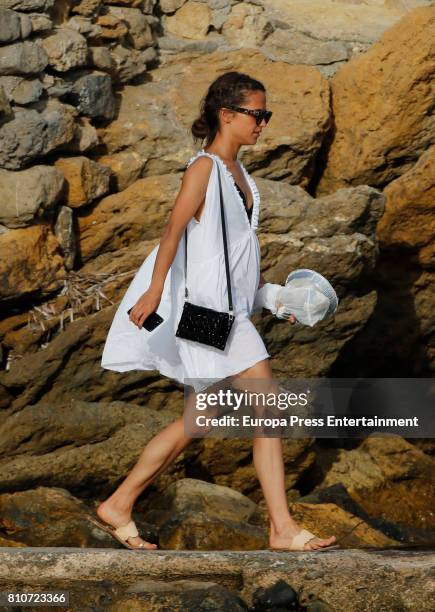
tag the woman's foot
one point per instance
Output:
(282, 538)
(107, 513)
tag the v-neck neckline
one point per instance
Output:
(233, 181)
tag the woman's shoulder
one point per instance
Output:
(201, 158)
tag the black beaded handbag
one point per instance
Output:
(200, 323)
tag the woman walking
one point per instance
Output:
(233, 114)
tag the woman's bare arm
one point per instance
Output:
(190, 196)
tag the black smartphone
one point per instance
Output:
(152, 320)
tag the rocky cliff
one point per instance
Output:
(96, 102)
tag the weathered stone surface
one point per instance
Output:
(126, 167)
(5, 107)
(36, 265)
(377, 99)
(351, 580)
(65, 49)
(20, 90)
(85, 136)
(10, 25)
(130, 63)
(108, 438)
(246, 25)
(86, 7)
(40, 23)
(347, 20)
(111, 27)
(228, 463)
(28, 5)
(191, 20)
(48, 516)
(86, 180)
(388, 477)
(100, 58)
(23, 58)
(64, 232)
(409, 218)
(170, 6)
(92, 93)
(192, 514)
(85, 26)
(31, 134)
(104, 229)
(139, 30)
(24, 193)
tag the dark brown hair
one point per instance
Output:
(229, 88)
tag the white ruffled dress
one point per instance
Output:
(188, 362)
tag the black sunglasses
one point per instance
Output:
(258, 114)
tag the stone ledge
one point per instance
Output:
(350, 579)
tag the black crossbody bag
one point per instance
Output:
(200, 323)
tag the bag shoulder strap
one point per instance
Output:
(224, 236)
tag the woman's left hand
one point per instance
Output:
(292, 319)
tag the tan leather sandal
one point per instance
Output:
(122, 533)
(298, 542)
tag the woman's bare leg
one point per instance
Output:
(269, 465)
(160, 451)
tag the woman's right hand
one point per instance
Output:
(146, 304)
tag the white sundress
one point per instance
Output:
(129, 348)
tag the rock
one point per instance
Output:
(87, 8)
(36, 266)
(246, 25)
(100, 58)
(409, 219)
(31, 134)
(28, 5)
(65, 49)
(170, 6)
(85, 137)
(101, 229)
(20, 90)
(26, 193)
(10, 25)
(111, 27)
(23, 58)
(388, 477)
(348, 580)
(347, 20)
(126, 167)
(92, 93)
(299, 48)
(55, 86)
(45, 516)
(130, 63)
(279, 596)
(192, 20)
(86, 180)
(154, 595)
(194, 496)
(40, 23)
(139, 30)
(198, 531)
(192, 514)
(5, 107)
(85, 27)
(64, 232)
(376, 138)
(228, 462)
(108, 438)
